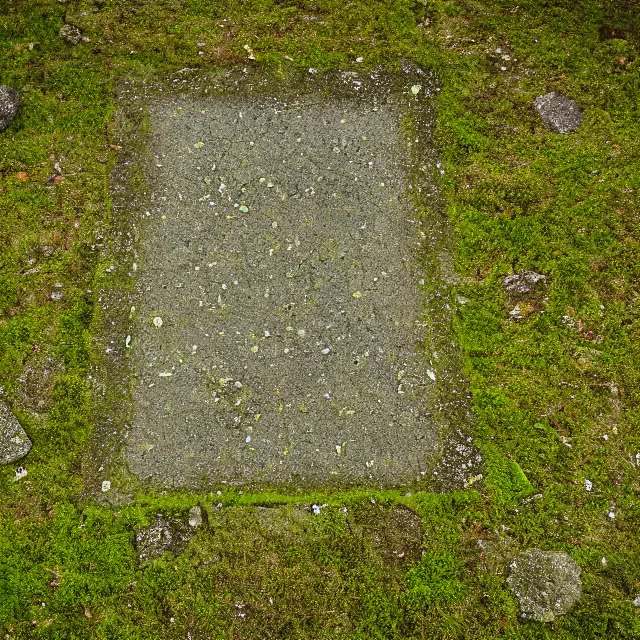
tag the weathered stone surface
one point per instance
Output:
(395, 533)
(14, 442)
(276, 333)
(560, 114)
(165, 534)
(546, 583)
(522, 283)
(278, 328)
(195, 517)
(70, 34)
(9, 103)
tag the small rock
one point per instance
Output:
(546, 583)
(164, 534)
(516, 313)
(9, 103)
(636, 602)
(70, 34)
(560, 114)
(522, 283)
(195, 517)
(14, 442)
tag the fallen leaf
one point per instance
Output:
(22, 176)
(58, 179)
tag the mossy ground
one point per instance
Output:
(546, 389)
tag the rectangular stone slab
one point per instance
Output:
(278, 332)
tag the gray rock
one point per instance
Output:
(522, 283)
(70, 34)
(546, 583)
(560, 114)
(9, 103)
(195, 517)
(14, 443)
(165, 534)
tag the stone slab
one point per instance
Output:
(278, 333)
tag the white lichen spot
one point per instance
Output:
(21, 472)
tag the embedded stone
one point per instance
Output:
(522, 283)
(546, 583)
(9, 103)
(14, 442)
(560, 114)
(164, 534)
(70, 34)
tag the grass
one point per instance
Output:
(546, 389)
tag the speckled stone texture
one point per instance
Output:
(546, 583)
(9, 103)
(14, 442)
(279, 327)
(560, 114)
